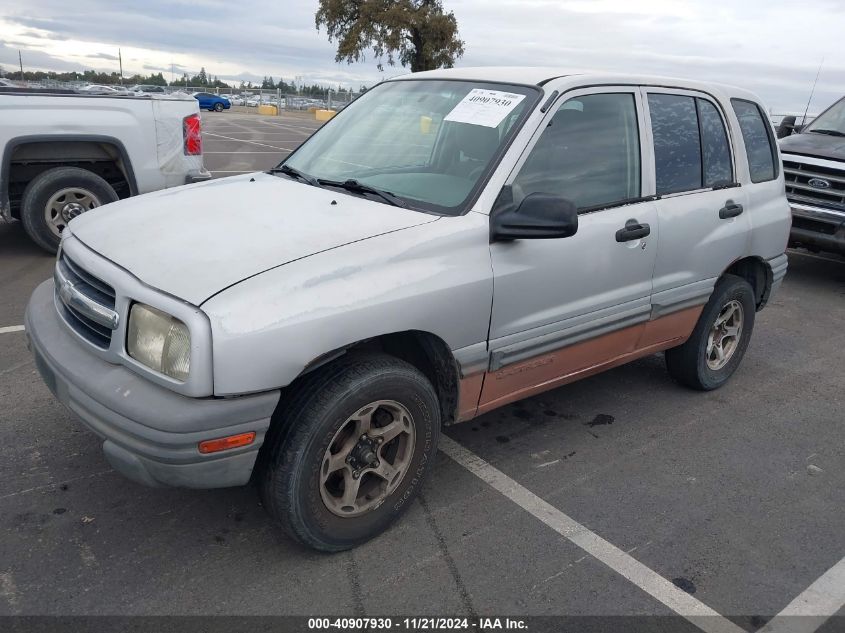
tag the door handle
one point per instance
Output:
(730, 210)
(633, 231)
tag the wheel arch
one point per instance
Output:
(426, 351)
(40, 149)
(757, 272)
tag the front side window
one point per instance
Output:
(589, 153)
(759, 144)
(428, 142)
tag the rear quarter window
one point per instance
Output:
(759, 140)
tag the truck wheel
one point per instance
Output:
(218, 107)
(717, 344)
(54, 197)
(361, 438)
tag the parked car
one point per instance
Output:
(317, 340)
(146, 89)
(62, 154)
(814, 165)
(211, 102)
(98, 89)
(7, 83)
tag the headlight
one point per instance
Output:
(159, 341)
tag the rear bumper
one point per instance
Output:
(200, 176)
(139, 421)
(819, 228)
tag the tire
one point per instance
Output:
(689, 364)
(316, 422)
(218, 107)
(41, 200)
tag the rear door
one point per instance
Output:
(563, 305)
(704, 226)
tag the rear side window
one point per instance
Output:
(759, 146)
(677, 145)
(715, 150)
(691, 147)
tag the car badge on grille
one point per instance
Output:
(819, 183)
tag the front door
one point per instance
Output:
(564, 306)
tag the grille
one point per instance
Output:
(91, 288)
(798, 188)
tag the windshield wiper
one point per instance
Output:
(291, 171)
(357, 186)
(829, 132)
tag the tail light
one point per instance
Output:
(192, 135)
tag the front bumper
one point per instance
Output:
(140, 422)
(818, 228)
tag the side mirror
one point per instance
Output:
(787, 126)
(539, 216)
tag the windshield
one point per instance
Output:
(428, 143)
(831, 120)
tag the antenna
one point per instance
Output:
(812, 91)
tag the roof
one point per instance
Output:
(540, 75)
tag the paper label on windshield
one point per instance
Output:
(484, 107)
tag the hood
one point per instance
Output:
(809, 144)
(194, 241)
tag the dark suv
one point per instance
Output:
(814, 169)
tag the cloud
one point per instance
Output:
(769, 47)
(113, 58)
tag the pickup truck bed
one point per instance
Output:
(113, 147)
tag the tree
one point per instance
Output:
(416, 33)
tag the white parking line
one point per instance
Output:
(240, 140)
(814, 606)
(293, 128)
(646, 579)
(11, 328)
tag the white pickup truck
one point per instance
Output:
(62, 153)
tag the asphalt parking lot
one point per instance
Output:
(235, 143)
(620, 495)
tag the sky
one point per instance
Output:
(772, 47)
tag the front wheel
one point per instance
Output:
(717, 344)
(218, 107)
(358, 440)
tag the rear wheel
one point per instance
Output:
(360, 439)
(55, 197)
(717, 344)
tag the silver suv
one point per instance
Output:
(451, 242)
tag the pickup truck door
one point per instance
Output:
(563, 307)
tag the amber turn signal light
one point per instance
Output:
(225, 443)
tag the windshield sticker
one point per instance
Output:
(484, 107)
